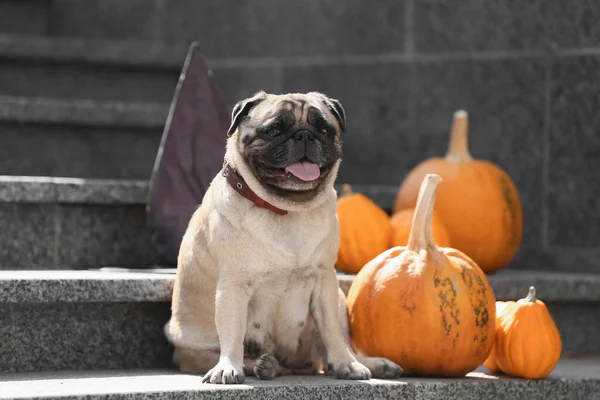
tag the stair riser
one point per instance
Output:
(77, 151)
(32, 78)
(72, 236)
(24, 17)
(80, 336)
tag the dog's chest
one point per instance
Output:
(295, 236)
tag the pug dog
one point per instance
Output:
(256, 291)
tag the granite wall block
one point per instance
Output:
(103, 236)
(29, 236)
(83, 336)
(270, 28)
(492, 25)
(24, 17)
(107, 19)
(35, 78)
(574, 155)
(77, 151)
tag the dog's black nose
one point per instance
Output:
(304, 135)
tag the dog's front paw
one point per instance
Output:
(351, 370)
(225, 373)
(266, 367)
(383, 368)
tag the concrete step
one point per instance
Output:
(71, 223)
(113, 318)
(572, 379)
(79, 138)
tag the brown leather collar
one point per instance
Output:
(240, 186)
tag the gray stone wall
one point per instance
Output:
(527, 72)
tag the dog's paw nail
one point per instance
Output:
(353, 371)
(266, 367)
(224, 373)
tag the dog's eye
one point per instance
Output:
(324, 131)
(273, 132)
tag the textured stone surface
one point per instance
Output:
(572, 379)
(73, 150)
(96, 236)
(33, 78)
(86, 112)
(71, 190)
(442, 26)
(78, 50)
(134, 19)
(24, 17)
(271, 28)
(29, 236)
(60, 336)
(573, 202)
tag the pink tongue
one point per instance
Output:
(304, 170)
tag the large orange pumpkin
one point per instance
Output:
(477, 201)
(402, 223)
(528, 343)
(431, 310)
(365, 230)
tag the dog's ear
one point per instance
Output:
(242, 108)
(336, 108)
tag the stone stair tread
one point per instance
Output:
(572, 378)
(82, 112)
(124, 285)
(42, 189)
(93, 51)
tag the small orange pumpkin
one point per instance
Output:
(402, 223)
(528, 343)
(365, 230)
(477, 201)
(431, 310)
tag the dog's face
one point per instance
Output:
(291, 143)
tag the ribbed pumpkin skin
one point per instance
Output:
(479, 205)
(365, 232)
(528, 343)
(431, 313)
(402, 222)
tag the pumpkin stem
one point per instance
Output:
(531, 295)
(458, 149)
(421, 233)
(346, 189)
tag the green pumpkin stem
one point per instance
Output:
(458, 149)
(421, 233)
(531, 295)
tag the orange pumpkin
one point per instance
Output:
(402, 222)
(490, 362)
(431, 310)
(477, 201)
(365, 230)
(528, 343)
